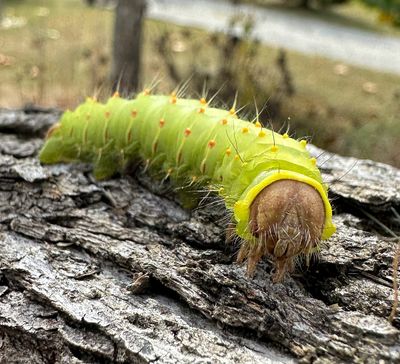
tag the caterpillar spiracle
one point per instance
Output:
(269, 181)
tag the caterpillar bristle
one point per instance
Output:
(193, 144)
(210, 101)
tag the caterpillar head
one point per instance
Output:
(287, 219)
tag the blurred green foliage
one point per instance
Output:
(315, 3)
(353, 12)
(307, 4)
(390, 9)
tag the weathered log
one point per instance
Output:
(117, 271)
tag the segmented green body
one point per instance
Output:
(189, 141)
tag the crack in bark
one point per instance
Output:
(68, 259)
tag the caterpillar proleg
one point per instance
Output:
(269, 181)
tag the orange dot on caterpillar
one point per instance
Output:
(242, 157)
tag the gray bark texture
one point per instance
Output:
(119, 272)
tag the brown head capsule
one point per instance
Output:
(287, 218)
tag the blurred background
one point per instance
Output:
(325, 69)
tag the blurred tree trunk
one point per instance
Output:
(127, 44)
(304, 4)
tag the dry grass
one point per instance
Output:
(63, 50)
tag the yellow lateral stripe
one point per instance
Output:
(242, 206)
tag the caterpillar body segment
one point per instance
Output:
(190, 141)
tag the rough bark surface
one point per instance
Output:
(118, 272)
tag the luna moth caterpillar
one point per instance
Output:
(267, 180)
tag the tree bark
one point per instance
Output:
(128, 27)
(118, 272)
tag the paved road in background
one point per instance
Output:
(282, 29)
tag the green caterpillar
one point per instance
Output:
(269, 181)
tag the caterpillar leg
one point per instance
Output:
(287, 219)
